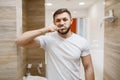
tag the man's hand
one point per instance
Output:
(53, 28)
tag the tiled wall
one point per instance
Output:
(8, 51)
(24, 15)
(112, 42)
(35, 19)
(24, 24)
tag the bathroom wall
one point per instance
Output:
(35, 13)
(95, 35)
(24, 15)
(112, 42)
(10, 18)
(24, 25)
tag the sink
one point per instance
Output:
(34, 78)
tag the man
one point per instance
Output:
(63, 48)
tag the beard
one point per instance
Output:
(64, 32)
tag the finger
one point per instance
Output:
(56, 28)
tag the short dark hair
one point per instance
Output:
(61, 10)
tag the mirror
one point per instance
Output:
(88, 15)
(87, 19)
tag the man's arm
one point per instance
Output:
(88, 67)
(28, 40)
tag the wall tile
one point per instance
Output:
(112, 42)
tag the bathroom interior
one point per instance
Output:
(96, 20)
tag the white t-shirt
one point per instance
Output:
(63, 55)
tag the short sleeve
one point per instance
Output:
(42, 40)
(85, 49)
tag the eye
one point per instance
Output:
(58, 20)
(65, 19)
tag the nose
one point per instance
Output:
(62, 22)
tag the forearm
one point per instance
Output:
(89, 74)
(30, 35)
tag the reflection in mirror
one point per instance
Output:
(87, 19)
(88, 23)
(67, 54)
(59, 46)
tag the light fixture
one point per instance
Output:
(48, 4)
(104, 3)
(81, 3)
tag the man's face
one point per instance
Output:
(63, 21)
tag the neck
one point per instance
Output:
(66, 35)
